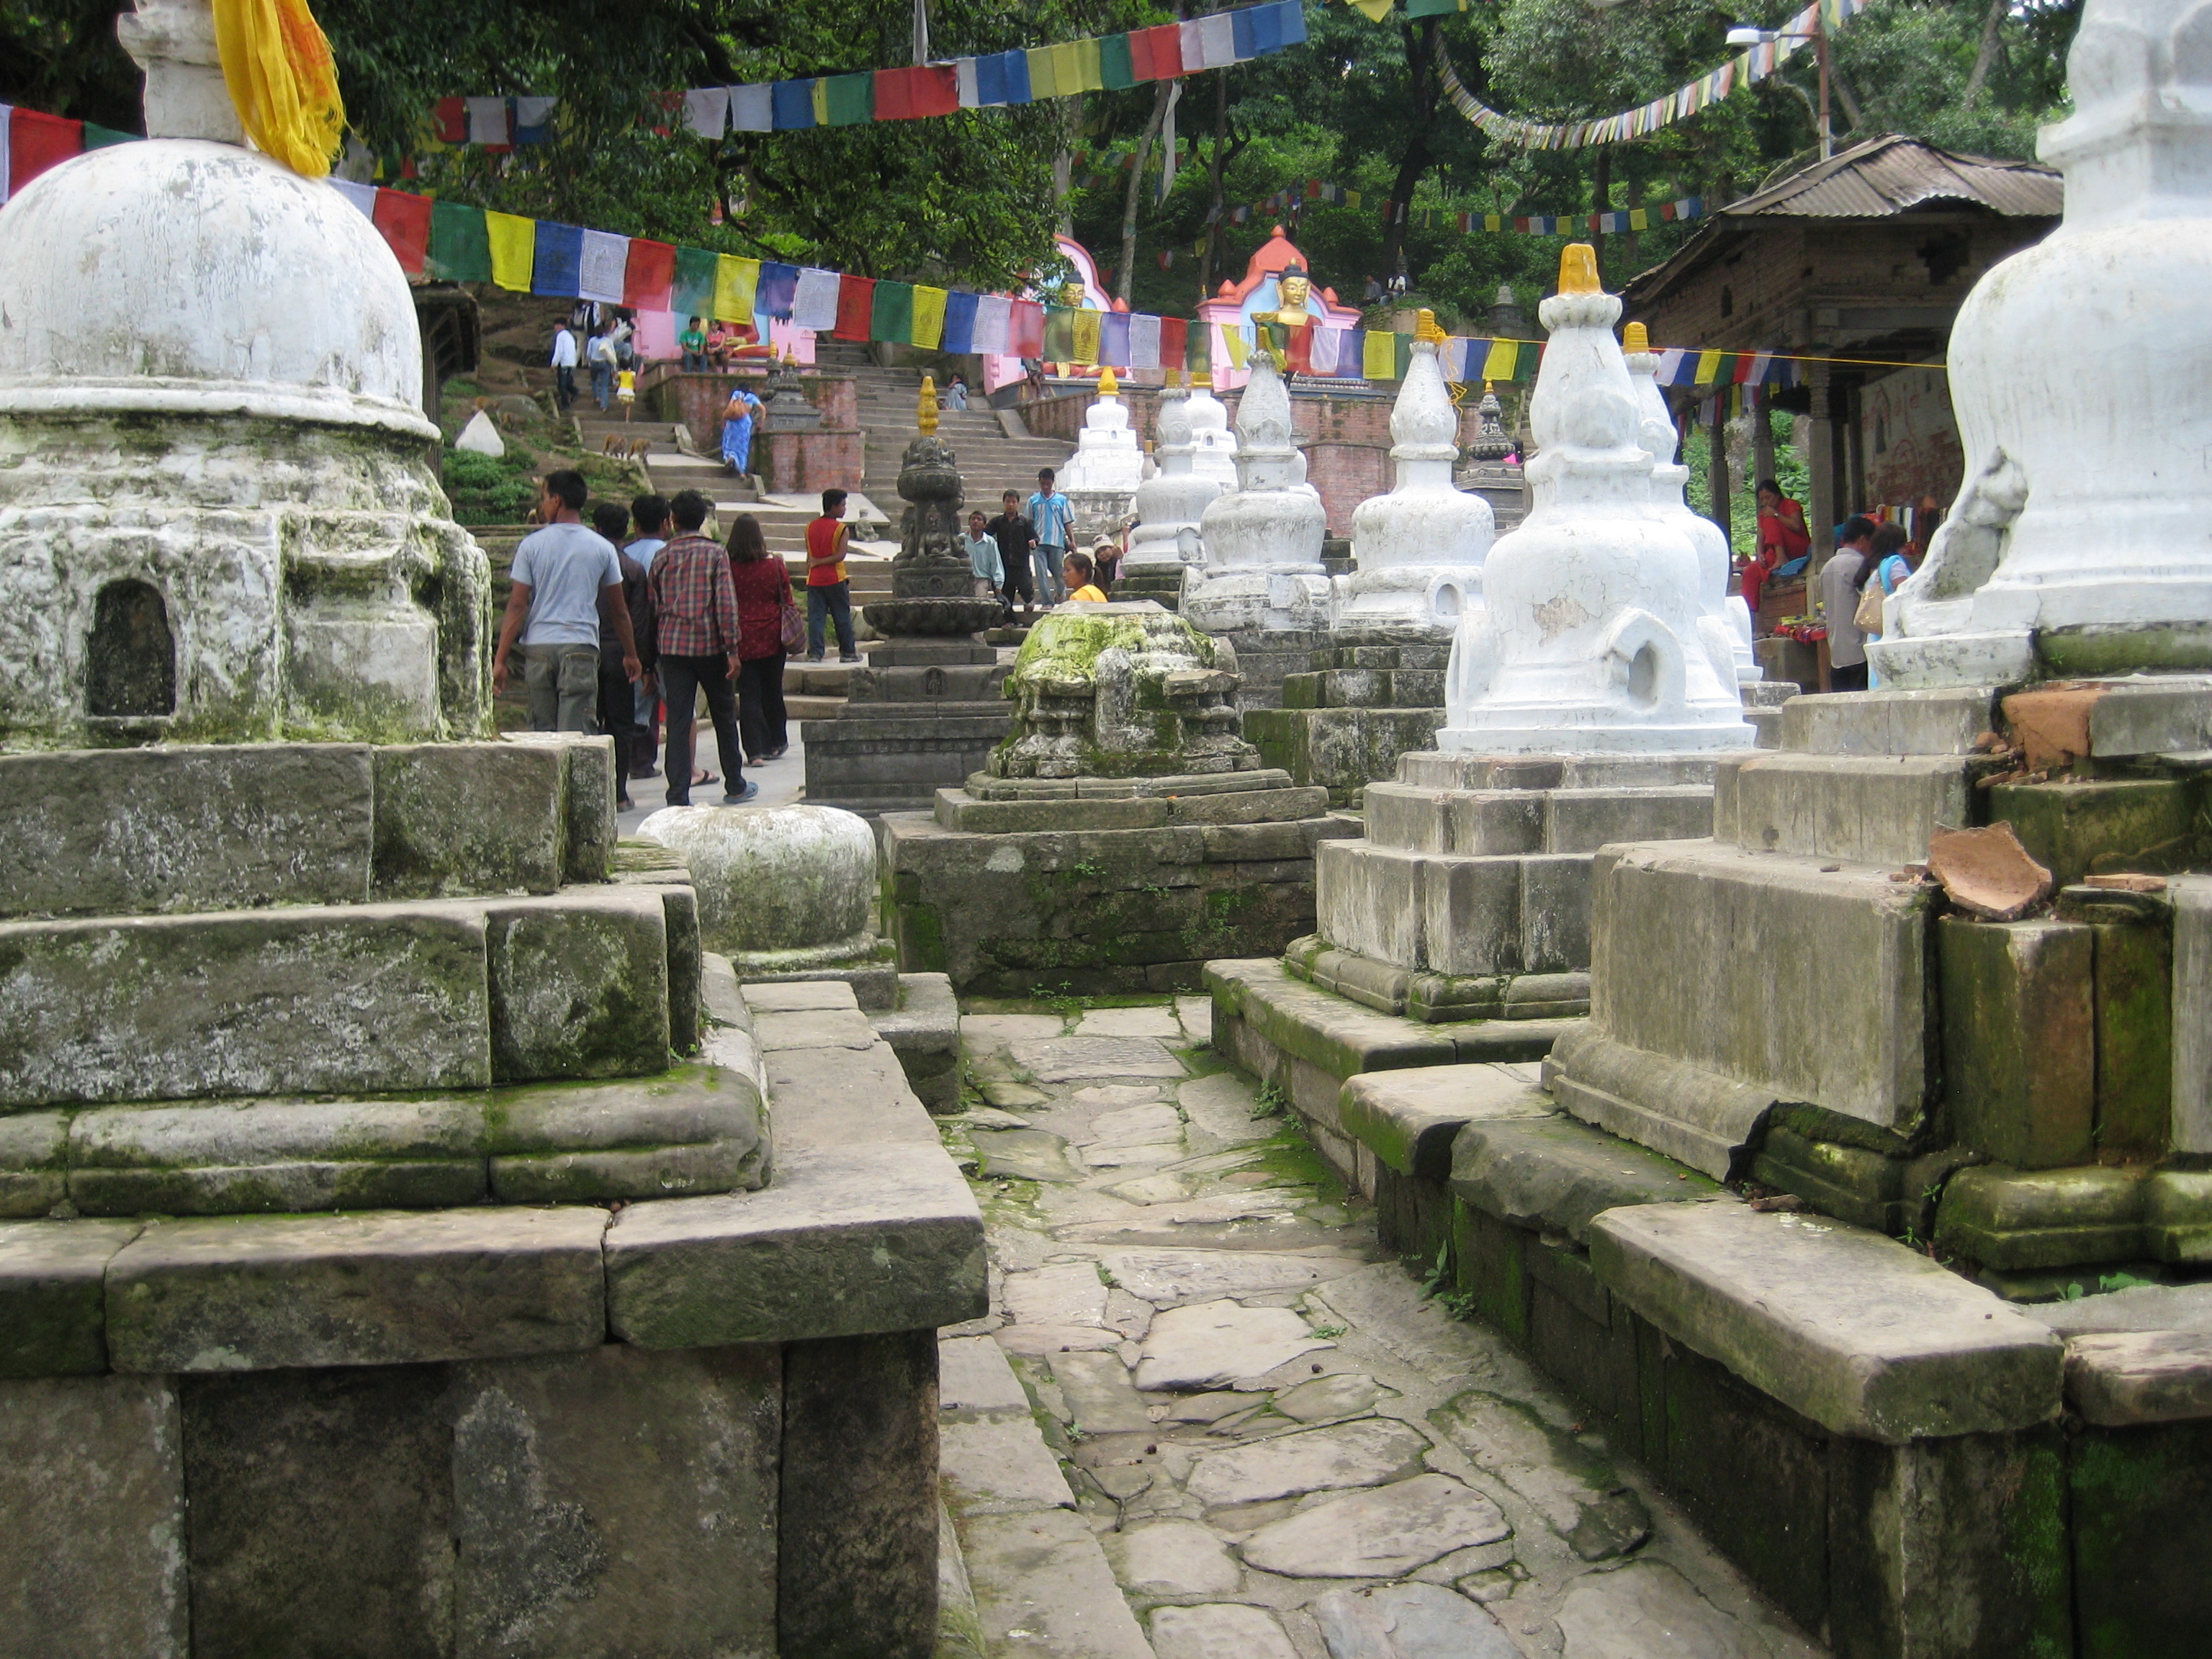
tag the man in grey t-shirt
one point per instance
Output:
(1839, 602)
(564, 575)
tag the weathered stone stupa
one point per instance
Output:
(1122, 827)
(1100, 478)
(377, 1149)
(1576, 679)
(925, 710)
(1213, 440)
(1490, 468)
(1263, 585)
(1377, 690)
(1168, 507)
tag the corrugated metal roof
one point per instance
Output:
(1890, 174)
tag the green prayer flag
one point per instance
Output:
(1435, 8)
(1531, 355)
(99, 137)
(1059, 335)
(693, 294)
(851, 99)
(460, 243)
(891, 314)
(1403, 351)
(1116, 66)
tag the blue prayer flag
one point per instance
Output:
(772, 294)
(793, 103)
(1352, 355)
(1017, 73)
(559, 260)
(1242, 23)
(1114, 339)
(959, 323)
(1290, 22)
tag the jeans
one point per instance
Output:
(1019, 580)
(832, 600)
(681, 679)
(563, 684)
(619, 716)
(602, 382)
(694, 362)
(760, 720)
(564, 387)
(1050, 588)
(646, 728)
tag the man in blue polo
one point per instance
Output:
(1055, 518)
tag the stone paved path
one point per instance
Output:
(1207, 1419)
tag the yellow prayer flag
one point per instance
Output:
(1376, 10)
(1067, 68)
(928, 317)
(1042, 83)
(822, 102)
(1086, 336)
(1232, 338)
(1091, 74)
(1639, 218)
(513, 250)
(1493, 222)
(1709, 363)
(735, 280)
(1499, 365)
(1352, 198)
(1380, 359)
(277, 67)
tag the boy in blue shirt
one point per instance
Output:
(1054, 518)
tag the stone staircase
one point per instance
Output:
(990, 459)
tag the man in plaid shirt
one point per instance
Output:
(697, 610)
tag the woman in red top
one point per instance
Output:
(1782, 536)
(763, 588)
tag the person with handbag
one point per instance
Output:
(770, 628)
(1841, 579)
(1886, 569)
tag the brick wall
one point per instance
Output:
(805, 462)
(696, 400)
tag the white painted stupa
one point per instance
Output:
(218, 515)
(2079, 542)
(1419, 549)
(1263, 567)
(1724, 618)
(1100, 478)
(1168, 505)
(1213, 441)
(1587, 639)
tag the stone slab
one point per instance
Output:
(1556, 1175)
(1218, 1344)
(188, 827)
(1383, 1532)
(1409, 1621)
(868, 1238)
(34, 1163)
(1706, 1121)
(92, 1558)
(1100, 1397)
(972, 1375)
(1172, 1557)
(52, 1304)
(588, 799)
(2014, 1220)
(2122, 1378)
(1166, 1275)
(1856, 1331)
(2019, 1024)
(1408, 1118)
(377, 1288)
(361, 997)
(459, 818)
(1366, 1453)
(824, 1098)
(2192, 1012)
(1861, 809)
(1043, 1585)
(1944, 722)
(1001, 1467)
(1072, 1058)
(1222, 1630)
(580, 984)
(2137, 1308)
(1649, 1609)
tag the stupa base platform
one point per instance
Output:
(1840, 1416)
(506, 1428)
(1163, 585)
(1344, 720)
(1266, 657)
(1102, 884)
(916, 1014)
(924, 714)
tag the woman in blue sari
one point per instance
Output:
(738, 430)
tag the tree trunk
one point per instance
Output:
(1719, 476)
(1845, 96)
(1063, 159)
(1762, 442)
(1420, 58)
(1628, 236)
(1136, 187)
(1220, 157)
(1986, 57)
(1602, 189)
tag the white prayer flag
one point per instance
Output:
(1219, 32)
(1193, 34)
(971, 94)
(707, 111)
(814, 302)
(531, 115)
(752, 109)
(488, 121)
(599, 268)
(1325, 344)
(362, 196)
(1144, 341)
(993, 323)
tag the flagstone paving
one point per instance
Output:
(1208, 1416)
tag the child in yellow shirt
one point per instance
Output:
(1077, 570)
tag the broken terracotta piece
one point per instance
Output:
(1987, 873)
(2052, 724)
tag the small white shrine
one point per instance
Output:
(1168, 505)
(1100, 478)
(1213, 441)
(1263, 566)
(1420, 549)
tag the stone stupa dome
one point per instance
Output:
(179, 276)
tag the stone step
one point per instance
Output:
(222, 827)
(1461, 916)
(590, 981)
(1861, 809)
(1490, 823)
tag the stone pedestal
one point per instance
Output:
(1169, 506)
(1122, 828)
(925, 710)
(1361, 703)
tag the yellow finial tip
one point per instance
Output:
(1579, 268)
(1635, 338)
(1425, 327)
(1108, 386)
(1204, 377)
(927, 405)
(1175, 377)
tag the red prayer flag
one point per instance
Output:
(403, 220)
(856, 304)
(1167, 51)
(1025, 330)
(936, 89)
(1175, 342)
(36, 141)
(894, 94)
(450, 120)
(1140, 55)
(649, 276)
